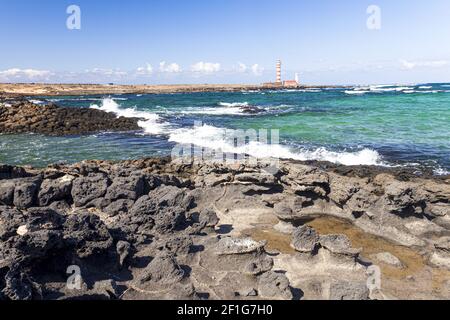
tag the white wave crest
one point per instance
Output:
(34, 101)
(233, 104)
(223, 139)
(150, 122)
(214, 111)
(441, 172)
(378, 89)
(356, 92)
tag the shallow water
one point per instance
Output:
(386, 125)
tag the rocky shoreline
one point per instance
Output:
(49, 119)
(161, 229)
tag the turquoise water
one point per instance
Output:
(386, 125)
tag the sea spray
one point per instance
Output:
(150, 121)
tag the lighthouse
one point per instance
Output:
(278, 81)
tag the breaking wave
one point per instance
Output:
(223, 139)
(150, 121)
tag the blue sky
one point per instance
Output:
(225, 41)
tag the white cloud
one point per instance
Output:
(257, 70)
(107, 72)
(409, 65)
(205, 67)
(169, 68)
(147, 70)
(27, 74)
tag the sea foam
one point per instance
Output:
(222, 139)
(150, 121)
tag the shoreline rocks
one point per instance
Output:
(160, 229)
(26, 117)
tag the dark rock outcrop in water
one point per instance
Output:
(156, 229)
(25, 117)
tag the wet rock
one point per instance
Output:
(86, 189)
(272, 285)
(305, 239)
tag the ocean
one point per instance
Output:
(387, 125)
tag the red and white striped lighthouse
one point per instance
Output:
(278, 71)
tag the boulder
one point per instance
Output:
(55, 190)
(273, 285)
(162, 270)
(123, 249)
(20, 286)
(259, 265)
(305, 239)
(25, 192)
(6, 192)
(131, 188)
(119, 206)
(338, 244)
(209, 218)
(86, 189)
(87, 235)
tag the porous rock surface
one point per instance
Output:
(161, 229)
(26, 117)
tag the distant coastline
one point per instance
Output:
(43, 89)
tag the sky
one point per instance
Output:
(225, 41)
